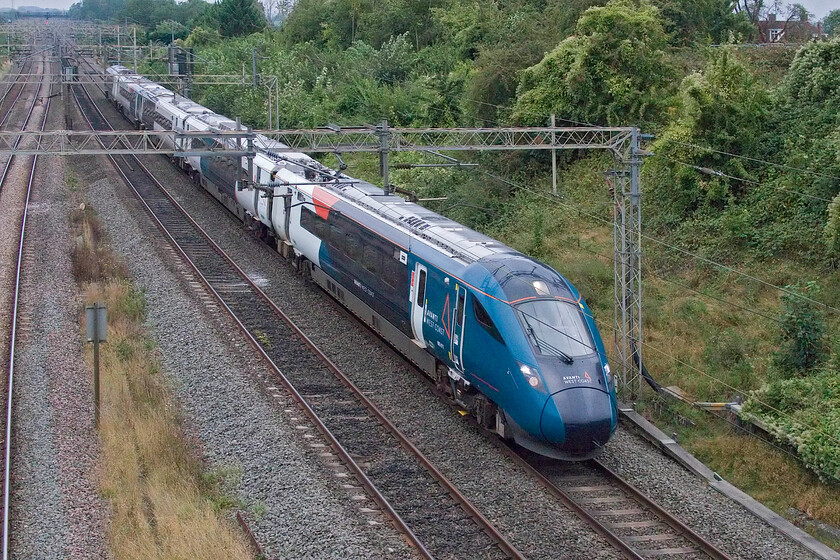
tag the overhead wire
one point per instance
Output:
(703, 259)
(757, 160)
(716, 173)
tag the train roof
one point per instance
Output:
(456, 239)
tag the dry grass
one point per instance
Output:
(736, 458)
(162, 505)
(92, 261)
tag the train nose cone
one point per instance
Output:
(577, 419)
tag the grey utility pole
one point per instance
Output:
(384, 139)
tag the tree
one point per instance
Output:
(831, 23)
(240, 17)
(703, 21)
(725, 109)
(613, 70)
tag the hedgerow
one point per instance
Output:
(805, 414)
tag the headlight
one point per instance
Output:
(532, 377)
(608, 375)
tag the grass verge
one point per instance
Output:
(163, 504)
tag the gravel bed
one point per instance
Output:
(12, 198)
(296, 507)
(56, 510)
(715, 517)
(509, 497)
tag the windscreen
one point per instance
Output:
(556, 328)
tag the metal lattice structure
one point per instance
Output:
(627, 239)
(162, 79)
(71, 142)
(367, 139)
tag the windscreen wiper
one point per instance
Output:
(539, 343)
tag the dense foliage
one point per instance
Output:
(804, 413)
(802, 343)
(148, 13)
(611, 71)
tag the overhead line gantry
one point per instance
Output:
(624, 143)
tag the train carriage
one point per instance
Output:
(508, 337)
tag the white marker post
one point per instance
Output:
(96, 321)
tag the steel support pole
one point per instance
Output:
(96, 366)
(553, 158)
(134, 47)
(628, 271)
(382, 131)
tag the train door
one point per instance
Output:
(264, 199)
(418, 303)
(457, 347)
(138, 109)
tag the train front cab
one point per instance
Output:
(564, 403)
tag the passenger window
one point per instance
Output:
(353, 247)
(370, 259)
(483, 319)
(321, 229)
(421, 288)
(335, 236)
(393, 269)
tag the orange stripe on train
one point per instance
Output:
(323, 201)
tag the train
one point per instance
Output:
(505, 336)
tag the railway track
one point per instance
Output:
(13, 91)
(633, 523)
(15, 293)
(428, 509)
(630, 520)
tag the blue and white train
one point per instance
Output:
(510, 339)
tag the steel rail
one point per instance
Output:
(667, 517)
(8, 163)
(12, 84)
(602, 529)
(615, 540)
(481, 520)
(8, 450)
(625, 548)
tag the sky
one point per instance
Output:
(819, 8)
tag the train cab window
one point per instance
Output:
(483, 319)
(556, 328)
(459, 309)
(421, 288)
(370, 259)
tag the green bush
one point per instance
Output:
(802, 345)
(612, 71)
(805, 414)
